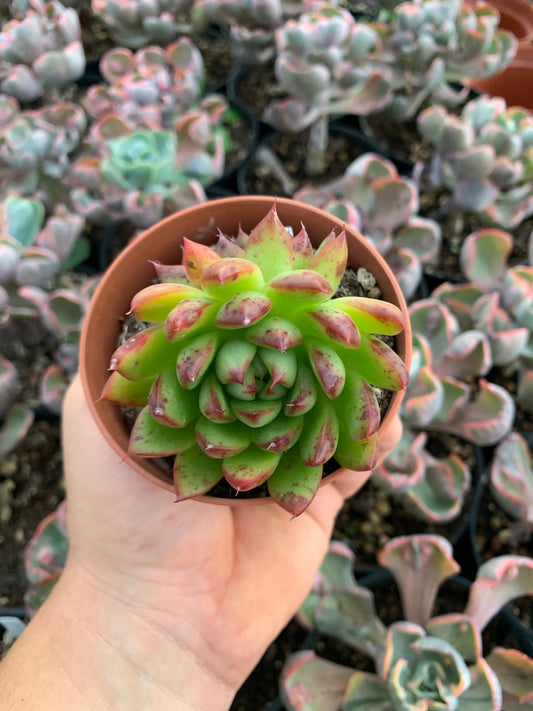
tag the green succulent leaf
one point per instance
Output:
(358, 407)
(250, 468)
(155, 302)
(327, 366)
(279, 435)
(282, 367)
(360, 455)
(255, 413)
(320, 434)
(189, 317)
(196, 259)
(144, 354)
(327, 322)
(130, 393)
(149, 438)
(195, 473)
(170, 403)
(243, 310)
(230, 276)
(195, 358)
(294, 485)
(213, 401)
(269, 245)
(378, 364)
(233, 361)
(295, 289)
(275, 332)
(304, 393)
(330, 259)
(372, 315)
(221, 440)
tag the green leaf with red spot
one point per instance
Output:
(325, 321)
(247, 390)
(298, 288)
(372, 315)
(358, 407)
(233, 360)
(228, 248)
(360, 455)
(213, 400)
(171, 273)
(170, 403)
(304, 393)
(144, 354)
(195, 473)
(188, 317)
(196, 259)
(378, 364)
(250, 468)
(330, 259)
(269, 245)
(282, 367)
(275, 332)
(318, 440)
(294, 485)
(255, 413)
(149, 438)
(279, 435)
(221, 440)
(155, 302)
(230, 276)
(302, 249)
(243, 310)
(328, 367)
(195, 358)
(131, 393)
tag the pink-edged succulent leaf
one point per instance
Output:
(300, 287)
(320, 434)
(144, 354)
(417, 558)
(303, 394)
(225, 247)
(460, 300)
(377, 363)
(130, 393)
(221, 440)
(194, 359)
(293, 485)
(404, 467)
(328, 368)
(196, 259)
(155, 302)
(44, 558)
(514, 671)
(189, 317)
(309, 683)
(407, 269)
(281, 366)
(524, 394)
(15, 427)
(358, 407)
(366, 692)
(335, 324)
(233, 361)
(420, 236)
(360, 455)
(250, 468)
(468, 354)
(195, 473)
(498, 581)
(243, 309)
(506, 341)
(484, 257)
(302, 249)
(372, 315)
(435, 322)
(230, 276)
(424, 398)
(330, 259)
(275, 332)
(269, 245)
(149, 438)
(484, 688)
(279, 435)
(170, 403)
(213, 400)
(172, 273)
(8, 382)
(255, 413)
(457, 630)
(511, 477)
(52, 387)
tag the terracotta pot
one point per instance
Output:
(132, 270)
(514, 83)
(516, 16)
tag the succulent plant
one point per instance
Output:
(429, 45)
(429, 488)
(41, 52)
(143, 174)
(45, 557)
(151, 87)
(374, 199)
(421, 662)
(511, 478)
(16, 424)
(137, 23)
(484, 158)
(446, 363)
(249, 371)
(322, 64)
(35, 149)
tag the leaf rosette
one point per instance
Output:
(249, 370)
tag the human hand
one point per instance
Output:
(190, 594)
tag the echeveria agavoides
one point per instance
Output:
(249, 370)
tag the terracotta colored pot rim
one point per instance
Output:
(161, 242)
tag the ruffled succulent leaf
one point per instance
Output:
(170, 403)
(131, 393)
(195, 358)
(275, 332)
(415, 558)
(155, 302)
(484, 691)
(303, 395)
(189, 317)
(213, 401)
(498, 581)
(511, 477)
(293, 485)
(424, 398)
(457, 630)
(320, 434)
(309, 682)
(149, 438)
(231, 276)
(250, 468)
(514, 671)
(269, 245)
(243, 310)
(484, 257)
(366, 692)
(144, 354)
(195, 473)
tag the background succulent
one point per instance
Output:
(420, 661)
(249, 371)
(41, 52)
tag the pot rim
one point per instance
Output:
(100, 321)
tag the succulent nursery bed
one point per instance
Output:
(442, 186)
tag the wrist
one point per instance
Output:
(106, 655)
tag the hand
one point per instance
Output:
(163, 582)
